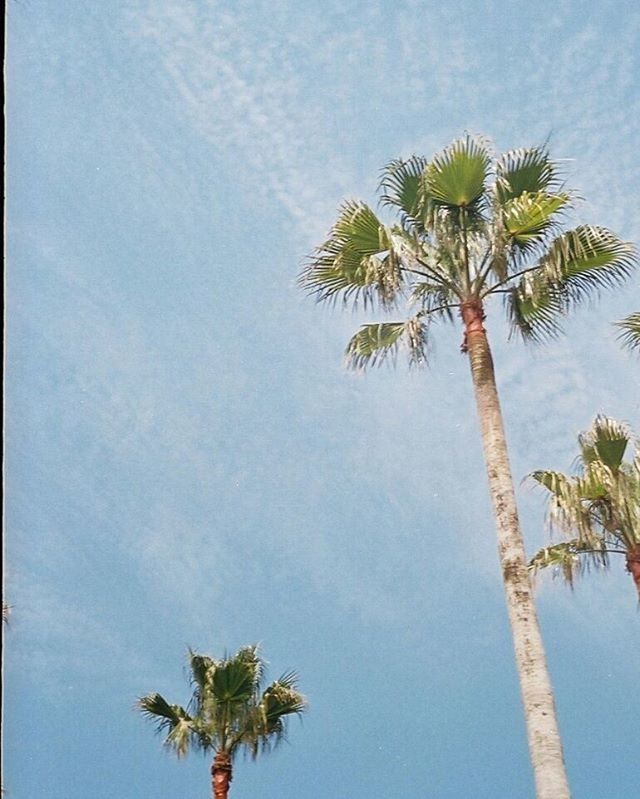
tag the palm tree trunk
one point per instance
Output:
(545, 746)
(221, 775)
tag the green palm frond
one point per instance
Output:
(357, 261)
(233, 682)
(605, 442)
(279, 701)
(528, 170)
(172, 719)
(571, 558)
(584, 260)
(456, 177)
(533, 312)
(373, 344)
(529, 216)
(577, 264)
(630, 331)
(401, 188)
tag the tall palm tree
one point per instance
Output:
(598, 508)
(228, 711)
(473, 227)
(630, 331)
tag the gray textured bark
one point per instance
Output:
(545, 746)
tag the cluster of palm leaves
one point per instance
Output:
(598, 508)
(470, 226)
(229, 709)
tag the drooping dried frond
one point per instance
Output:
(373, 344)
(630, 331)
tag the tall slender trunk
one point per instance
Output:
(545, 746)
(221, 775)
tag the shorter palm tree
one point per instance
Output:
(228, 711)
(630, 331)
(598, 508)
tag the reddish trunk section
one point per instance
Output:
(633, 567)
(473, 318)
(221, 775)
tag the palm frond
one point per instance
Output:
(266, 726)
(372, 344)
(456, 177)
(435, 299)
(605, 442)
(528, 170)
(532, 312)
(172, 719)
(571, 558)
(357, 261)
(401, 188)
(585, 260)
(529, 216)
(630, 331)
(233, 681)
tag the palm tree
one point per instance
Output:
(228, 711)
(472, 227)
(598, 508)
(630, 331)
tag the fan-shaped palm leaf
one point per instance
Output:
(356, 261)
(401, 188)
(523, 170)
(585, 259)
(606, 442)
(456, 177)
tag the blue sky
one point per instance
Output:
(188, 463)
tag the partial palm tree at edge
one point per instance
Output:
(598, 508)
(473, 228)
(228, 712)
(630, 331)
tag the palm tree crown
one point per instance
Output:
(228, 710)
(470, 226)
(598, 508)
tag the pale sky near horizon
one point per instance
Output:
(188, 464)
